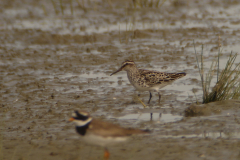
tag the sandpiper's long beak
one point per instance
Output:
(71, 119)
(117, 70)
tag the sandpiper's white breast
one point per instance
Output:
(153, 88)
(140, 88)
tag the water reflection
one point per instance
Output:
(153, 117)
(213, 135)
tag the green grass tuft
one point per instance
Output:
(228, 80)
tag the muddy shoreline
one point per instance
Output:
(52, 64)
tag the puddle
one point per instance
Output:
(221, 135)
(213, 135)
(166, 118)
(62, 28)
(93, 75)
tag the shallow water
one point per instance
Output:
(158, 117)
(212, 135)
(52, 64)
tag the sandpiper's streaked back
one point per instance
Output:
(101, 133)
(147, 80)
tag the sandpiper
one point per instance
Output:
(101, 133)
(147, 80)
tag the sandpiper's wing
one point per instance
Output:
(106, 129)
(155, 77)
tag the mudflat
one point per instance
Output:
(55, 60)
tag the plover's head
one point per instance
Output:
(126, 65)
(80, 118)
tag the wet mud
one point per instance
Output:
(52, 64)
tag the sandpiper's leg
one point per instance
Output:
(106, 154)
(150, 97)
(159, 95)
(148, 103)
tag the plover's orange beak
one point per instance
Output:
(71, 119)
(117, 70)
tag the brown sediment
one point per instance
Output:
(53, 64)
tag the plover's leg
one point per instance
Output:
(150, 97)
(159, 95)
(106, 154)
